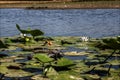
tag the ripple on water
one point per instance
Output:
(73, 22)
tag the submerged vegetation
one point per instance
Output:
(59, 58)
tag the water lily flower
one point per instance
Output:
(84, 39)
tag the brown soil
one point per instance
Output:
(58, 5)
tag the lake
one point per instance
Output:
(68, 22)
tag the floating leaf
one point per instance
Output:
(21, 30)
(64, 62)
(109, 43)
(43, 58)
(113, 43)
(35, 32)
(2, 45)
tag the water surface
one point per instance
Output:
(69, 22)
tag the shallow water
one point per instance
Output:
(113, 66)
(76, 57)
(71, 48)
(70, 22)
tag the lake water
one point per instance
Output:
(69, 22)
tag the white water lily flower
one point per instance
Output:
(84, 39)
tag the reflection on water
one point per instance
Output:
(71, 22)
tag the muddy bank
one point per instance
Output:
(60, 5)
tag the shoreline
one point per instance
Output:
(60, 5)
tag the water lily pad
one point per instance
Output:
(2, 45)
(3, 69)
(43, 58)
(64, 62)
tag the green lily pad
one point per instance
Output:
(43, 58)
(113, 43)
(2, 45)
(64, 62)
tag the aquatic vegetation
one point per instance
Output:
(60, 64)
(43, 58)
(3, 69)
(64, 62)
(34, 33)
(43, 38)
(21, 30)
(33, 61)
(84, 39)
(112, 43)
(66, 42)
(55, 54)
(2, 45)
(108, 43)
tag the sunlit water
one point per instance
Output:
(70, 22)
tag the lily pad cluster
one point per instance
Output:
(109, 43)
(60, 64)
